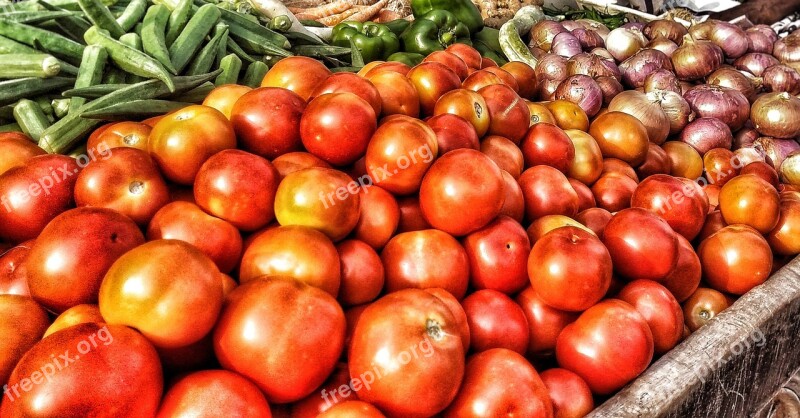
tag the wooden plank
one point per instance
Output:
(728, 368)
(785, 403)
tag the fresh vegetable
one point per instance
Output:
(373, 40)
(434, 31)
(409, 58)
(465, 11)
(509, 35)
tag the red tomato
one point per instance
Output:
(351, 83)
(352, 409)
(480, 79)
(784, 238)
(406, 346)
(613, 191)
(457, 310)
(525, 76)
(13, 275)
(78, 314)
(608, 346)
(214, 393)
(570, 394)
(538, 228)
(411, 218)
(283, 335)
(15, 150)
(398, 95)
(432, 80)
(67, 263)
(116, 368)
(659, 308)
(514, 201)
(504, 153)
(377, 67)
(467, 104)
(545, 323)
(702, 306)
(656, 162)
(750, 200)
(183, 140)
(33, 194)
(362, 273)
(549, 145)
(267, 121)
(547, 192)
(399, 154)
(299, 74)
(617, 166)
(622, 136)
(119, 135)
(595, 219)
(681, 204)
(426, 259)
(714, 222)
(167, 289)
(24, 323)
(224, 97)
(642, 245)
(453, 132)
(468, 54)
(585, 196)
(587, 165)
(379, 216)
(337, 127)
(450, 60)
(498, 256)
(508, 113)
(495, 321)
(326, 395)
(295, 161)
(684, 279)
(735, 259)
(185, 221)
(507, 78)
(500, 382)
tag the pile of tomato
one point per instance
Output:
(405, 242)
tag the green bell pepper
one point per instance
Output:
(434, 31)
(465, 11)
(374, 40)
(398, 25)
(408, 58)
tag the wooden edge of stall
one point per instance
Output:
(732, 367)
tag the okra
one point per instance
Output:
(8, 46)
(241, 26)
(31, 118)
(101, 16)
(69, 69)
(256, 43)
(13, 90)
(89, 73)
(254, 74)
(35, 17)
(153, 32)
(236, 49)
(10, 127)
(222, 45)
(114, 75)
(95, 91)
(205, 58)
(134, 41)
(195, 95)
(177, 20)
(127, 58)
(135, 109)
(191, 38)
(132, 15)
(29, 65)
(60, 107)
(231, 66)
(319, 51)
(53, 43)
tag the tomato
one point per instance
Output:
(545, 323)
(432, 80)
(514, 201)
(406, 346)
(720, 166)
(500, 382)
(33, 194)
(398, 95)
(321, 198)
(735, 259)
(116, 368)
(464, 182)
(506, 77)
(702, 306)
(684, 159)
(238, 187)
(680, 204)
(299, 74)
(426, 259)
(763, 170)
(182, 141)
(451, 61)
(399, 154)
(267, 121)
(295, 161)
(504, 153)
(350, 83)
(613, 191)
(714, 222)
(362, 273)
(587, 162)
(538, 228)
(119, 135)
(13, 275)
(750, 200)
(617, 166)
(24, 323)
(540, 114)
(185, 221)
(684, 279)
(547, 192)
(595, 219)
(498, 255)
(642, 245)
(609, 345)
(564, 281)
(480, 79)
(461, 323)
(659, 308)
(128, 181)
(656, 162)
(379, 216)
(78, 314)
(214, 393)
(785, 237)
(570, 394)
(470, 55)
(326, 396)
(622, 136)
(548, 145)
(172, 304)
(15, 150)
(411, 218)
(467, 104)
(196, 356)
(525, 77)
(67, 263)
(380, 67)
(586, 198)
(337, 127)
(712, 192)
(453, 132)
(224, 97)
(508, 113)
(352, 409)
(568, 115)
(495, 321)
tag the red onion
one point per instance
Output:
(696, 59)
(665, 29)
(765, 30)
(595, 26)
(776, 150)
(705, 134)
(748, 155)
(566, 45)
(622, 43)
(664, 45)
(745, 138)
(610, 87)
(782, 78)
(543, 32)
(636, 68)
(685, 86)
(646, 109)
(777, 115)
(537, 52)
(662, 80)
(758, 41)
(588, 39)
(787, 50)
(571, 25)
(546, 89)
(790, 169)
(603, 53)
(675, 107)
(551, 67)
(737, 80)
(592, 65)
(727, 36)
(726, 104)
(583, 91)
(634, 25)
(755, 63)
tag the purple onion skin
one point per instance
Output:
(662, 80)
(696, 59)
(634, 25)
(610, 88)
(571, 25)
(636, 68)
(583, 91)
(592, 65)
(705, 134)
(781, 78)
(745, 137)
(758, 41)
(588, 39)
(543, 32)
(729, 37)
(776, 150)
(755, 63)
(602, 53)
(547, 88)
(738, 80)
(566, 45)
(665, 29)
(664, 45)
(766, 30)
(725, 104)
(551, 67)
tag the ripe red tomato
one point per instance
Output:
(586, 198)
(642, 245)
(295, 161)
(406, 346)
(453, 132)
(547, 192)
(480, 79)
(622, 136)
(426, 259)
(299, 74)
(468, 54)
(13, 275)
(67, 263)
(24, 323)
(570, 394)
(514, 201)
(432, 80)
(183, 140)
(223, 98)
(498, 256)
(714, 222)
(457, 310)
(508, 113)
(525, 76)
(116, 368)
(316, 403)
(362, 273)
(350, 83)
(398, 95)
(564, 281)
(500, 382)
(78, 314)
(656, 162)
(15, 150)
(337, 127)
(379, 216)
(399, 154)
(495, 321)
(545, 323)
(617, 166)
(735, 259)
(613, 191)
(702, 306)
(504, 153)
(267, 121)
(467, 104)
(172, 303)
(785, 237)
(659, 308)
(185, 221)
(451, 61)
(507, 78)
(681, 204)
(608, 346)
(352, 409)
(750, 200)
(119, 135)
(214, 393)
(684, 279)
(378, 67)
(763, 170)
(595, 219)
(720, 166)
(549, 145)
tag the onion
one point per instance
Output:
(588, 39)
(737, 80)
(675, 107)
(765, 30)
(790, 169)
(595, 26)
(571, 25)
(665, 29)
(782, 78)
(547, 88)
(755, 63)
(662, 80)
(664, 45)
(745, 138)
(610, 87)
(634, 25)
(776, 150)
(551, 67)
(543, 32)
(727, 36)
(777, 115)
(592, 65)
(705, 134)
(566, 45)
(583, 91)
(787, 50)
(537, 52)
(696, 59)
(636, 68)
(726, 104)
(748, 155)
(644, 108)
(622, 43)
(758, 41)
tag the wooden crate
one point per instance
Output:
(744, 363)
